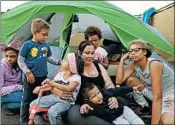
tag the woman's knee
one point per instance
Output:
(167, 118)
(130, 80)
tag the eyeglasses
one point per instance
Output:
(135, 50)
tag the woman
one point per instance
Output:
(89, 71)
(156, 78)
(10, 79)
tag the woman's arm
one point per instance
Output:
(156, 69)
(106, 62)
(62, 94)
(122, 75)
(68, 88)
(112, 102)
(107, 79)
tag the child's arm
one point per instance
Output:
(25, 69)
(119, 91)
(105, 62)
(54, 61)
(51, 59)
(86, 110)
(22, 64)
(38, 88)
(68, 88)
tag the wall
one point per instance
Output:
(164, 21)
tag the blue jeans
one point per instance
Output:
(56, 107)
(12, 100)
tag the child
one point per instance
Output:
(32, 59)
(66, 80)
(10, 78)
(98, 101)
(93, 34)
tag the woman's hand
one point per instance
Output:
(46, 81)
(62, 94)
(124, 57)
(30, 77)
(84, 109)
(112, 102)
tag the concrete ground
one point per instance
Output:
(14, 120)
(9, 120)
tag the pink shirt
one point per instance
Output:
(100, 54)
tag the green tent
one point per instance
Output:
(125, 26)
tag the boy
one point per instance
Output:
(32, 59)
(93, 34)
(97, 104)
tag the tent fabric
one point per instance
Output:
(126, 26)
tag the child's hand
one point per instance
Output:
(59, 62)
(46, 81)
(135, 88)
(36, 90)
(30, 77)
(84, 109)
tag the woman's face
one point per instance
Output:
(137, 52)
(88, 54)
(11, 57)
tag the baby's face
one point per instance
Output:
(95, 96)
(64, 64)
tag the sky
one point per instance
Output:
(132, 7)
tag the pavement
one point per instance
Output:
(14, 120)
(9, 120)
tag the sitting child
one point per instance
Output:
(66, 80)
(97, 104)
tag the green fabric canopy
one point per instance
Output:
(126, 26)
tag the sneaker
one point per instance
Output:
(145, 111)
(9, 112)
(142, 111)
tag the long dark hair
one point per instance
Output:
(80, 62)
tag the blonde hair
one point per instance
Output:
(143, 44)
(38, 24)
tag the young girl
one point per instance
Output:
(157, 78)
(66, 80)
